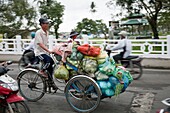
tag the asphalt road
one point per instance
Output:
(154, 82)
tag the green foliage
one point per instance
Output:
(12, 16)
(54, 11)
(152, 8)
(90, 26)
(19, 14)
(163, 22)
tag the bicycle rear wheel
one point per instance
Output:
(32, 85)
(136, 71)
(61, 83)
(83, 93)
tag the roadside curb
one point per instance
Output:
(157, 63)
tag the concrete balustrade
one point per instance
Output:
(153, 51)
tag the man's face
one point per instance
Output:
(122, 36)
(45, 26)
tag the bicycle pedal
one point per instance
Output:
(54, 92)
(55, 88)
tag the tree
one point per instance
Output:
(12, 16)
(93, 27)
(54, 11)
(163, 22)
(101, 27)
(152, 8)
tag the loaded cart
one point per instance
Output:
(89, 75)
(93, 76)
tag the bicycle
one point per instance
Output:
(22, 64)
(33, 85)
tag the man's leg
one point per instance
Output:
(117, 58)
(48, 63)
(48, 66)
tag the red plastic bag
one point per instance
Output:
(89, 50)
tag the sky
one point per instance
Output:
(76, 10)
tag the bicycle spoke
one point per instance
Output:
(31, 85)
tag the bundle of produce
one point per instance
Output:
(108, 67)
(101, 76)
(112, 86)
(112, 79)
(61, 73)
(89, 65)
(89, 50)
(76, 55)
(72, 62)
(101, 58)
(106, 87)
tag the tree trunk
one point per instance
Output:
(153, 24)
(56, 31)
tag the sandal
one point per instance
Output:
(43, 73)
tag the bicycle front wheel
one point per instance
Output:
(31, 85)
(136, 70)
(18, 107)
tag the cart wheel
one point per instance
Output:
(83, 93)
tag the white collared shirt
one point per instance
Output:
(30, 46)
(40, 37)
(120, 45)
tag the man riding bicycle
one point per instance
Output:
(124, 44)
(42, 52)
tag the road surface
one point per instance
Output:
(142, 96)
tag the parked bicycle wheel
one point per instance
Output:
(136, 70)
(21, 64)
(83, 93)
(31, 84)
(18, 107)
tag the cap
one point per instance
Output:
(124, 33)
(33, 35)
(43, 21)
(73, 33)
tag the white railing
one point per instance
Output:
(146, 48)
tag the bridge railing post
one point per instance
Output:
(168, 45)
(18, 44)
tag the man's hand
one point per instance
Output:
(108, 51)
(49, 51)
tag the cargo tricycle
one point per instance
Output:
(85, 79)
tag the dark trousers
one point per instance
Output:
(117, 57)
(48, 63)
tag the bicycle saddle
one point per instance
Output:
(130, 57)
